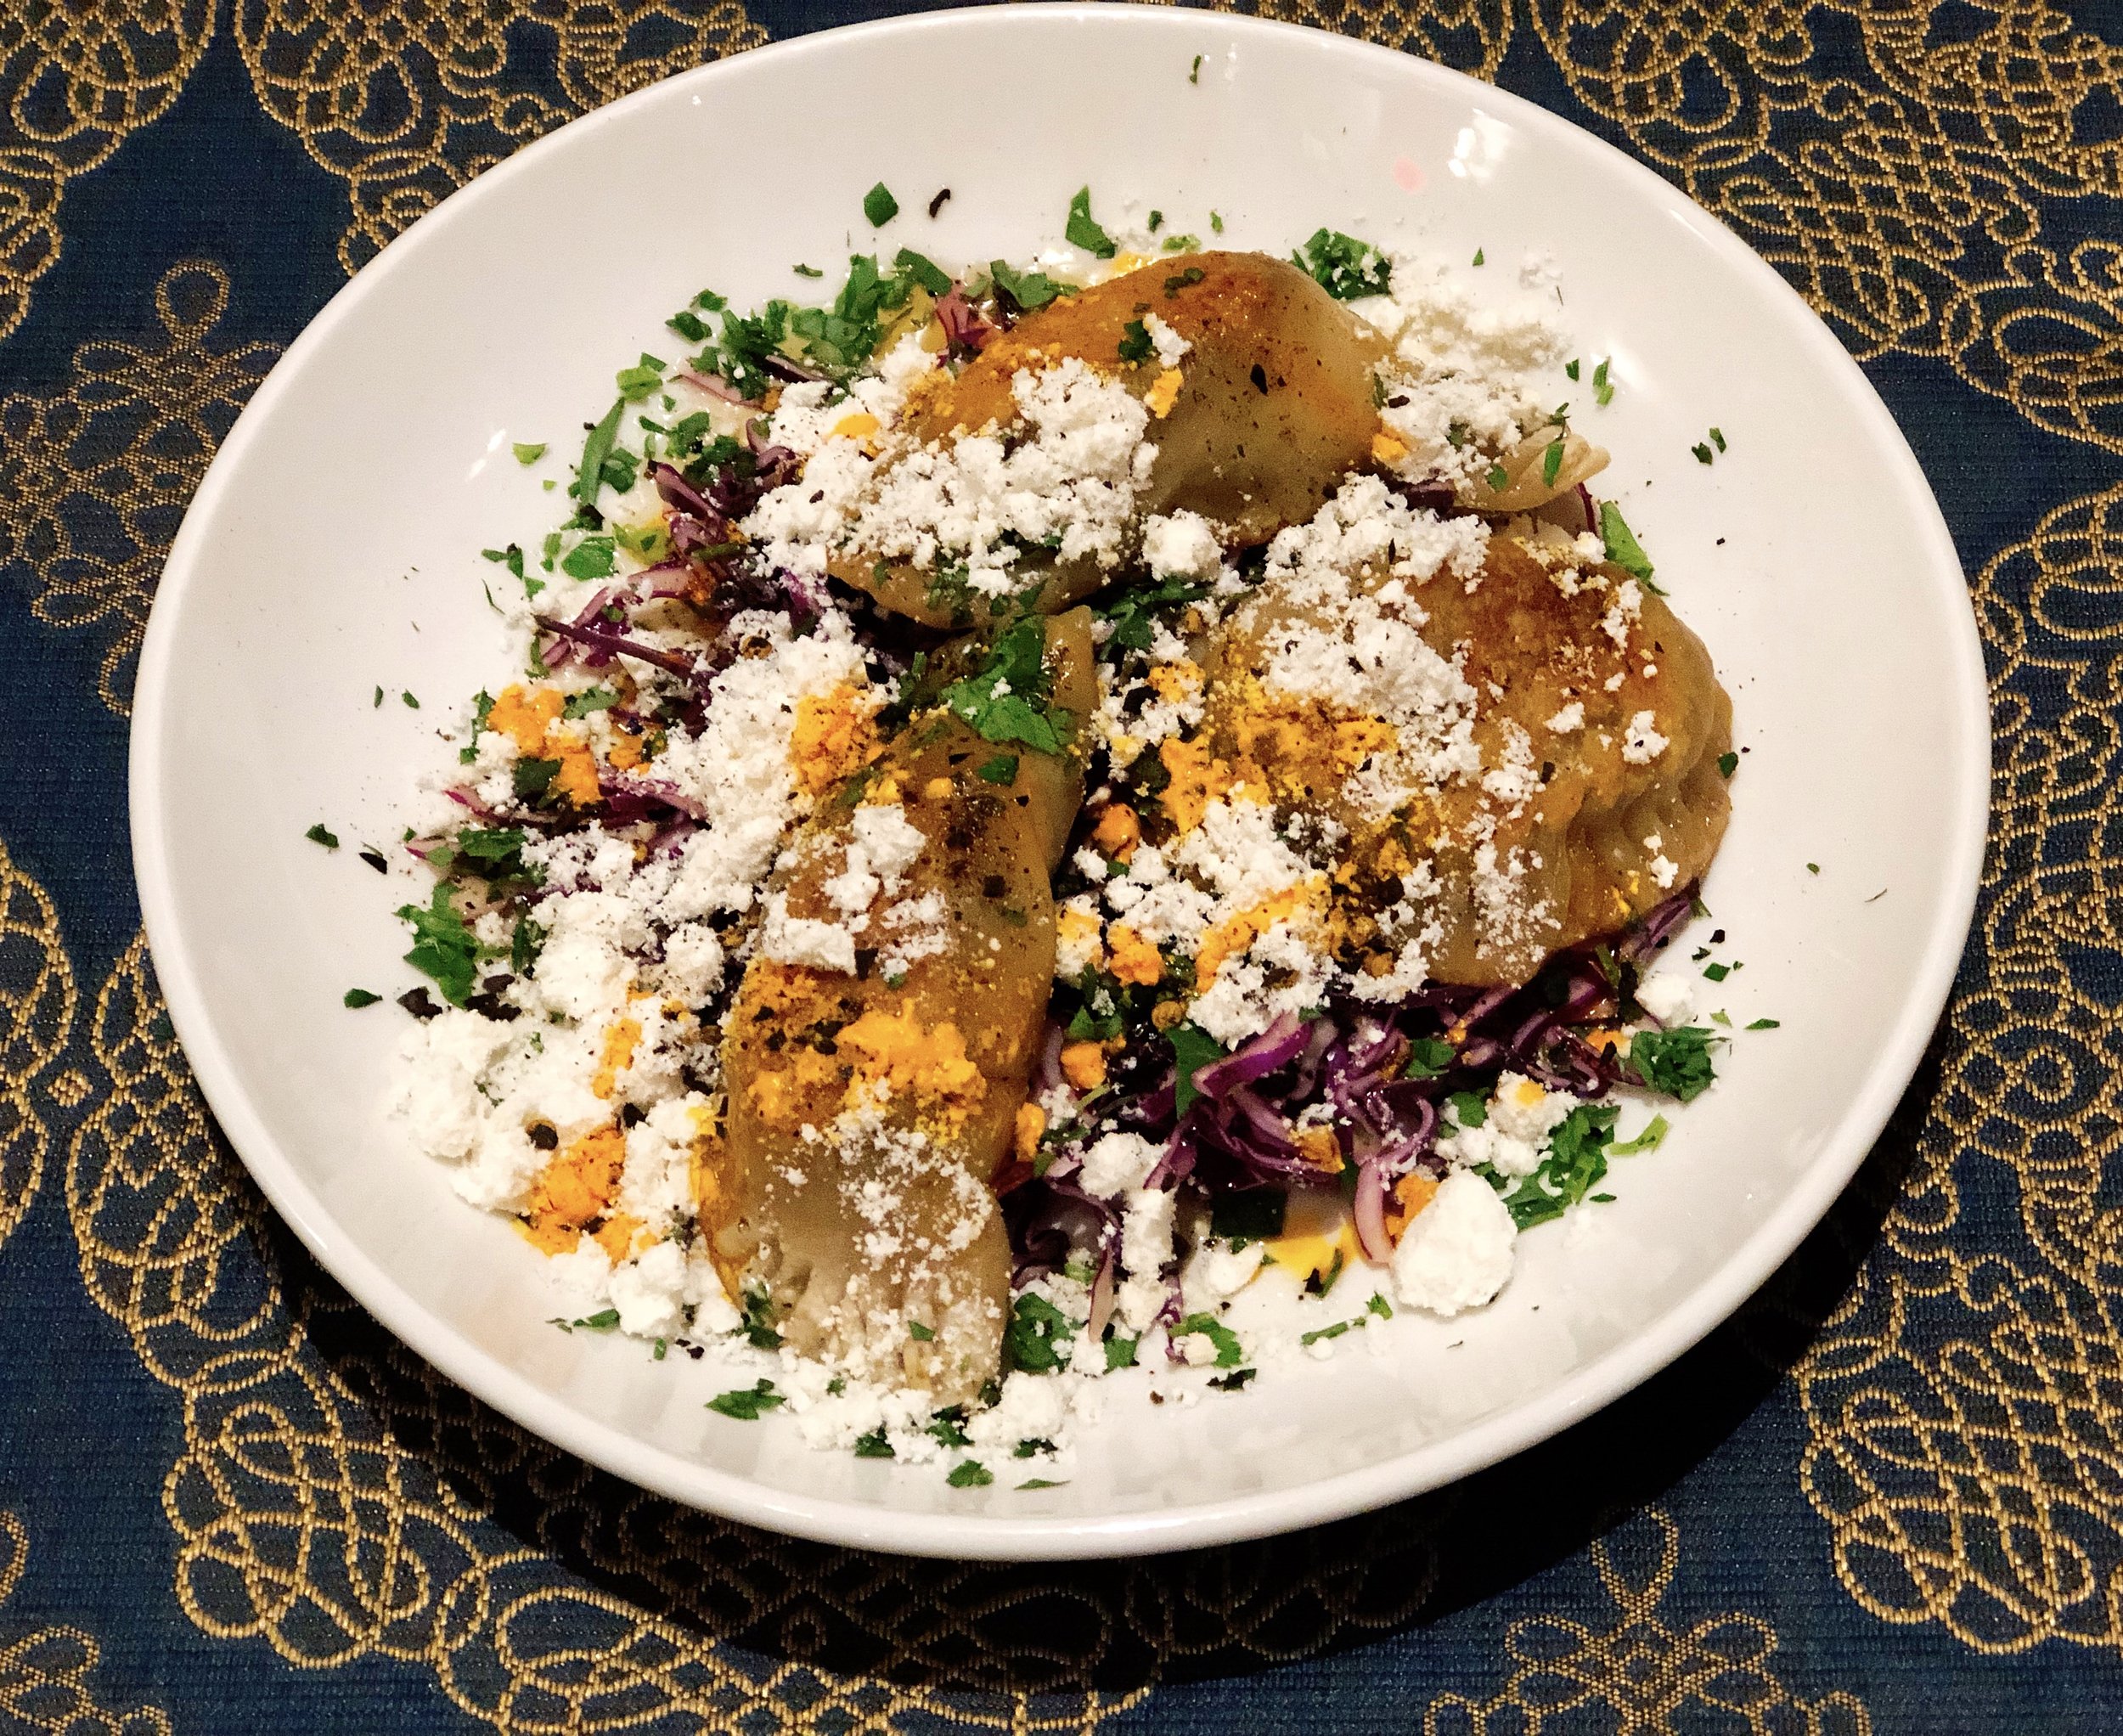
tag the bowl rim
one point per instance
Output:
(853, 1525)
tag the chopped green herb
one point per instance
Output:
(757, 1329)
(532, 778)
(1717, 439)
(1428, 1056)
(1030, 1448)
(603, 1321)
(1156, 220)
(318, 835)
(1344, 267)
(1120, 1353)
(1182, 279)
(1719, 1018)
(747, 1404)
(1041, 1483)
(1081, 231)
(359, 997)
(590, 475)
(948, 1426)
(443, 948)
(1469, 1109)
(1576, 1160)
(590, 699)
(1570, 368)
(807, 271)
(1477, 255)
(1001, 770)
(377, 700)
(1603, 388)
(1622, 547)
(920, 1333)
(1654, 1130)
(874, 1445)
(528, 452)
(526, 942)
(1192, 1050)
(1498, 475)
(1717, 973)
(1194, 75)
(924, 271)
(1229, 1351)
(591, 558)
(1813, 867)
(1029, 290)
(1728, 765)
(1326, 1331)
(1703, 454)
(970, 1473)
(1551, 464)
(1135, 342)
(1766, 1024)
(1380, 1306)
(663, 1349)
(1233, 1381)
(1182, 243)
(689, 325)
(1005, 701)
(1216, 222)
(1032, 1340)
(411, 703)
(1676, 1062)
(878, 206)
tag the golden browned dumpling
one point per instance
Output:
(873, 1094)
(1254, 421)
(1546, 772)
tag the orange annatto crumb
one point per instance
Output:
(834, 737)
(1134, 959)
(1117, 832)
(1197, 779)
(1387, 449)
(1236, 933)
(1164, 392)
(1411, 1194)
(1319, 1147)
(1084, 1065)
(527, 717)
(620, 1039)
(937, 789)
(1032, 1122)
(616, 1235)
(896, 1049)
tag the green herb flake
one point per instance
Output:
(591, 558)
(663, 1349)
(1120, 1353)
(1570, 368)
(1428, 1056)
(1477, 255)
(1602, 387)
(757, 1329)
(1229, 1353)
(924, 271)
(1654, 1133)
(1194, 74)
(1192, 1050)
(318, 835)
(1675, 1062)
(1717, 439)
(807, 271)
(1233, 1381)
(920, 1333)
(359, 997)
(1498, 475)
(1576, 1160)
(1135, 342)
(1030, 289)
(1703, 454)
(1469, 1109)
(1717, 973)
(970, 1473)
(878, 206)
(1347, 269)
(1380, 1306)
(1216, 222)
(590, 699)
(1005, 701)
(1181, 243)
(596, 448)
(1326, 1331)
(377, 702)
(948, 1427)
(1041, 1483)
(1001, 770)
(1622, 547)
(1082, 231)
(1033, 1340)
(443, 948)
(1766, 1024)
(1813, 867)
(410, 702)
(874, 1445)
(603, 1321)
(747, 1404)
(532, 778)
(1551, 464)
(1728, 763)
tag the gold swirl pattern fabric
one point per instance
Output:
(1890, 1495)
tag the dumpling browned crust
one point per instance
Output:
(869, 1110)
(1253, 426)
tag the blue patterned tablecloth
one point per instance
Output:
(1888, 1497)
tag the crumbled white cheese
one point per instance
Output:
(1667, 995)
(1457, 1253)
(1643, 743)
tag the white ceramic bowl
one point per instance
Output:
(333, 547)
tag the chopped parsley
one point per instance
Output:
(970, 1473)
(1570, 368)
(591, 558)
(1717, 439)
(1469, 1109)
(1477, 255)
(1344, 267)
(878, 206)
(1120, 1353)
(603, 1321)
(1036, 1331)
(1216, 222)
(1182, 243)
(410, 702)
(948, 1426)
(525, 943)
(1029, 290)
(1602, 387)
(747, 1403)
(1766, 1024)
(1622, 547)
(1676, 1062)
(1192, 1050)
(531, 779)
(590, 475)
(807, 271)
(1233, 1381)
(920, 1333)
(1194, 75)
(1551, 464)
(359, 997)
(443, 948)
(590, 699)
(1229, 1353)
(1428, 1056)
(637, 382)
(1001, 770)
(1006, 700)
(1380, 1306)
(1654, 1131)
(318, 835)
(528, 452)
(874, 1445)
(377, 700)
(1135, 342)
(757, 1329)
(1326, 1331)
(1717, 973)
(1182, 279)
(1576, 1161)
(924, 271)
(1041, 1483)
(1157, 222)
(1082, 231)
(1498, 475)
(1813, 867)
(1703, 454)
(1729, 763)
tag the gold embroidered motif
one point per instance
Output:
(1649, 1676)
(76, 80)
(406, 101)
(1965, 1404)
(44, 1674)
(94, 481)
(37, 1022)
(1468, 36)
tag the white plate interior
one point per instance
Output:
(334, 548)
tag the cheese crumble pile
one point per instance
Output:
(1326, 1026)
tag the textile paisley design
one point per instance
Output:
(1468, 36)
(94, 481)
(44, 1673)
(406, 101)
(77, 78)
(36, 1020)
(1966, 1403)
